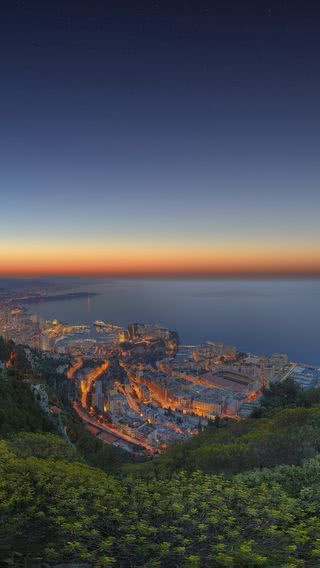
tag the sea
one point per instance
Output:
(257, 316)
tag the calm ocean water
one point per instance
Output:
(258, 316)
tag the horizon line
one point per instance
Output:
(152, 275)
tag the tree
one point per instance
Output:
(279, 395)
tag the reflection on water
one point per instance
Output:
(258, 316)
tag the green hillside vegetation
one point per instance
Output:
(66, 511)
(41, 445)
(241, 494)
(18, 409)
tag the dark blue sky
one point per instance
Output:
(153, 121)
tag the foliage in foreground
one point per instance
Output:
(65, 511)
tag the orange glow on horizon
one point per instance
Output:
(160, 260)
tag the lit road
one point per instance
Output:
(86, 417)
(93, 376)
(77, 364)
(288, 373)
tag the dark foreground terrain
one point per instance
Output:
(240, 494)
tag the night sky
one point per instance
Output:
(160, 137)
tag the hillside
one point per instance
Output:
(240, 494)
(18, 409)
(65, 511)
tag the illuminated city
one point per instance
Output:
(137, 387)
